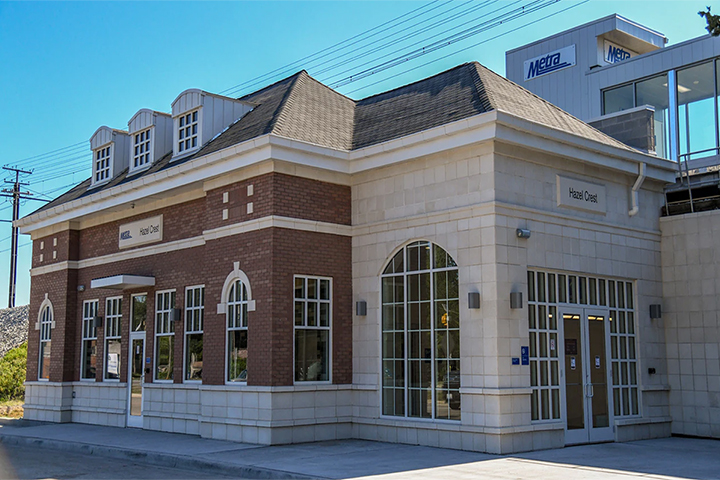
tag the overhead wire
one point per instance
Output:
(465, 48)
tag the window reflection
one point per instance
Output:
(654, 91)
(696, 110)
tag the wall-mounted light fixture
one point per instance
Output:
(361, 308)
(473, 299)
(516, 300)
(97, 321)
(81, 288)
(523, 232)
(655, 311)
(176, 315)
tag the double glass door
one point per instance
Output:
(586, 374)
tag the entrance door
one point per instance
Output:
(136, 360)
(586, 373)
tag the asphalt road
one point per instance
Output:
(28, 462)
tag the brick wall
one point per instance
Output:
(269, 257)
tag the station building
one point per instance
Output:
(624, 79)
(456, 262)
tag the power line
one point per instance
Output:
(466, 48)
(303, 61)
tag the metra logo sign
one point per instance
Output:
(143, 231)
(613, 53)
(549, 63)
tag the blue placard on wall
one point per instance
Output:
(515, 361)
(525, 355)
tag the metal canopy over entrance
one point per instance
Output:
(123, 282)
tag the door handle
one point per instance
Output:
(590, 390)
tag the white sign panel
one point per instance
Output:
(549, 62)
(143, 231)
(581, 195)
(614, 53)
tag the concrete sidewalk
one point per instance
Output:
(663, 458)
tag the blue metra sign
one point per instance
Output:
(549, 62)
(613, 53)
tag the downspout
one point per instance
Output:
(634, 194)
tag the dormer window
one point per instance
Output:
(188, 132)
(141, 146)
(102, 164)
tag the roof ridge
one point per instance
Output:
(413, 83)
(281, 112)
(549, 104)
(329, 88)
(268, 87)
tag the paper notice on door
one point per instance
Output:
(552, 344)
(572, 363)
(597, 361)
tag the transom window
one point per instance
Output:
(194, 318)
(46, 320)
(188, 131)
(88, 368)
(164, 335)
(313, 312)
(237, 333)
(141, 152)
(421, 334)
(113, 350)
(102, 164)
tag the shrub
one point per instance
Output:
(12, 374)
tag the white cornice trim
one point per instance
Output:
(464, 132)
(270, 221)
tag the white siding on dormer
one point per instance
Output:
(120, 142)
(215, 114)
(159, 125)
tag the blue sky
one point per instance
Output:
(67, 68)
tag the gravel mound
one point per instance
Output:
(13, 328)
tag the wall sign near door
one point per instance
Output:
(570, 346)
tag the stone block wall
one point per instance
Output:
(691, 318)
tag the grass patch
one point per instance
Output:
(12, 374)
(12, 408)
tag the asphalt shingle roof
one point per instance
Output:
(301, 108)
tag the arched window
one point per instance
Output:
(45, 324)
(421, 334)
(237, 332)
(236, 303)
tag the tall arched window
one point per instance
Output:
(237, 332)
(421, 334)
(45, 323)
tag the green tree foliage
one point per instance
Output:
(713, 22)
(12, 374)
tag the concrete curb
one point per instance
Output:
(155, 458)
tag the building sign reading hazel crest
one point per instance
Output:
(581, 195)
(143, 231)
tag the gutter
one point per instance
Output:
(634, 194)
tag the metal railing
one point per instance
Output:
(683, 160)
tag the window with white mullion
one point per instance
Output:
(623, 348)
(188, 131)
(194, 318)
(113, 326)
(544, 359)
(237, 332)
(88, 367)
(421, 334)
(164, 335)
(313, 319)
(141, 148)
(46, 319)
(102, 163)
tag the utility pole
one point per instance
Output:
(16, 196)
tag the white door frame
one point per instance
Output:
(587, 434)
(135, 420)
